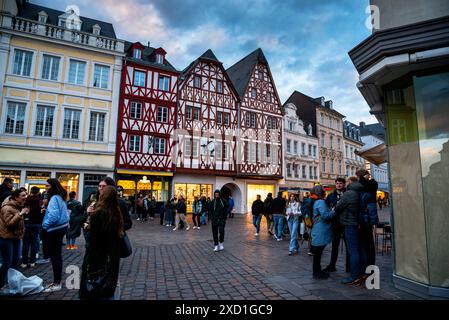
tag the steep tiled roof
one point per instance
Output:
(147, 58)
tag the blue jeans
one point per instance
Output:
(293, 224)
(278, 225)
(256, 221)
(30, 240)
(10, 252)
(354, 249)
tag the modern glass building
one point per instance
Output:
(404, 77)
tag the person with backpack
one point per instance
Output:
(293, 213)
(55, 224)
(348, 208)
(321, 231)
(257, 209)
(218, 212)
(337, 228)
(196, 212)
(268, 212)
(76, 217)
(33, 221)
(368, 216)
(279, 205)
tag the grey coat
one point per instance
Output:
(349, 205)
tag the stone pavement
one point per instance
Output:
(181, 264)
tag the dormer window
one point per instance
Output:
(70, 19)
(43, 17)
(159, 58)
(96, 29)
(62, 23)
(137, 54)
(310, 129)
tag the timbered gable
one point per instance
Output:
(207, 118)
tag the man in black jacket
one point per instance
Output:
(268, 212)
(218, 212)
(337, 228)
(257, 210)
(5, 189)
(278, 208)
(181, 211)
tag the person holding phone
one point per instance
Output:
(11, 233)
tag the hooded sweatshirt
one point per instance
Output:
(218, 209)
(349, 205)
(11, 223)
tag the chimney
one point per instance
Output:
(148, 43)
(362, 124)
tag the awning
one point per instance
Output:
(376, 155)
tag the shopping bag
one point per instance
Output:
(21, 285)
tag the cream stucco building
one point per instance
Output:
(59, 83)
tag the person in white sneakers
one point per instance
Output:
(218, 212)
(257, 210)
(196, 215)
(181, 210)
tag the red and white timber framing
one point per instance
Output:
(207, 121)
(261, 121)
(145, 154)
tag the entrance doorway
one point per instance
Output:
(231, 189)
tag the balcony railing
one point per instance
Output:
(59, 33)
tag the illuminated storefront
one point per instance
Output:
(262, 189)
(13, 174)
(189, 191)
(69, 181)
(36, 179)
(144, 187)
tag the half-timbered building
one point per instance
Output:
(207, 122)
(147, 120)
(260, 154)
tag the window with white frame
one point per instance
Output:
(323, 169)
(226, 151)
(164, 83)
(323, 139)
(310, 172)
(137, 54)
(315, 172)
(50, 67)
(162, 114)
(227, 118)
(134, 143)
(195, 148)
(188, 148)
(136, 110)
(289, 172)
(295, 147)
(339, 167)
(219, 117)
(268, 153)
(139, 78)
(289, 142)
(96, 126)
(269, 96)
(303, 149)
(314, 151)
(76, 72)
(196, 114)
(189, 113)
(291, 126)
(322, 118)
(44, 121)
(197, 82)
(101, 76)
(274, 156)
(159, 58)
(339, 144)
(15, 118)
(220, 86)
(295, 170)
(71, 127)
(159, 145)
(304, 171)
(310, 150)
(253, 93)
(22, 62)
(218, 150)
(260, 75)
(252, 152)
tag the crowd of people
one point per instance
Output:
(29, 221)
(348, 213)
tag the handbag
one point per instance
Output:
(98, 284)
(125, 247)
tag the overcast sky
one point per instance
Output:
(306, 42)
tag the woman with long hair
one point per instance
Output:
(55, 225)
(102, 257)
(293, 213)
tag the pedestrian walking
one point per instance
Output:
(231, 205)
(11, 233)
(208, 202)
(101, 262)
(146, 208)
(279, 205)
(6, 189)
(181, 211)
(337, 228)
(218, 212)
(293, 213)
(204, 210)
(257, 210)
(321, 232)
(196, 212)
(268, 212)
(76, 213)
(33, 221)
(349, 208)
(152, 204)
(55, 225)
(169, 211)
(139, 206)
